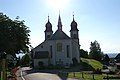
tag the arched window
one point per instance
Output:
(51, 51)
(48, 36)
(59, 47)
(68, 51)
(75, 36)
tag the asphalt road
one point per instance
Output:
(45, 76)
(39, 76)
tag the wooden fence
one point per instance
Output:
(90, 75)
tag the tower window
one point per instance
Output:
(48, 36)
(59, 47)
(75, 36)
(68, 50)
(51, 51)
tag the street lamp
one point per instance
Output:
(3, 58)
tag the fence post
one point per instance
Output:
(107, 77)
(82, 75)
(93, 77)
(74, 74)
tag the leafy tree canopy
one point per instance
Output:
(26, 59)
(95, 51)
(106, 59)
(14, 35)
(83, 53)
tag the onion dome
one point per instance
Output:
(48, 26)
(73, 25)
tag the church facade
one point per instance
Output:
(58, 48)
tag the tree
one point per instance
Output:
(83, 53)
(95, 51)
(106, 59)
(14, 35)
(26, 60)
(18, 61)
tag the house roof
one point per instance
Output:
(41, 55)
(59, 35)
(118, 56)
(118, 64)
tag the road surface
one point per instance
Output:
(22, 75)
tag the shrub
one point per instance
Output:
(41, 64)
(51, 66)
(75, 62)
(97, 71)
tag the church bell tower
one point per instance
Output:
(48, 30)
(74, 31)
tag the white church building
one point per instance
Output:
(58, 47)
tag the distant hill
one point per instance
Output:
(112, 55)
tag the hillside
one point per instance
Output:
(90, 64)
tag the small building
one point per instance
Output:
(112, 58)
(117, 60)
(58, 48)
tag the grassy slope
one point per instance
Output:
(93, 63)
(90, 63)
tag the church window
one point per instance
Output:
(48, 36)
(59, 47)
(51, 51)
(75, 36)
(41, 46)
(68, 50)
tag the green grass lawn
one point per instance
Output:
(89, 65)
(89, 76)
(94, 63)
(86, 76)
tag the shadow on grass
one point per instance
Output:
(86, 67)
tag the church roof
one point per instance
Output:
(59, 23)
(59, 35)
(41, 55)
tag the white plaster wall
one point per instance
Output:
(52, 43)
(75, 51)
(63, 55)
(46, 47)
(39, 48)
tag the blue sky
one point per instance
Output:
(97, 19)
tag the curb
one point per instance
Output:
(22, 76)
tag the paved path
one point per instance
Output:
(20, 72)
(45, 76)
(39, 76)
